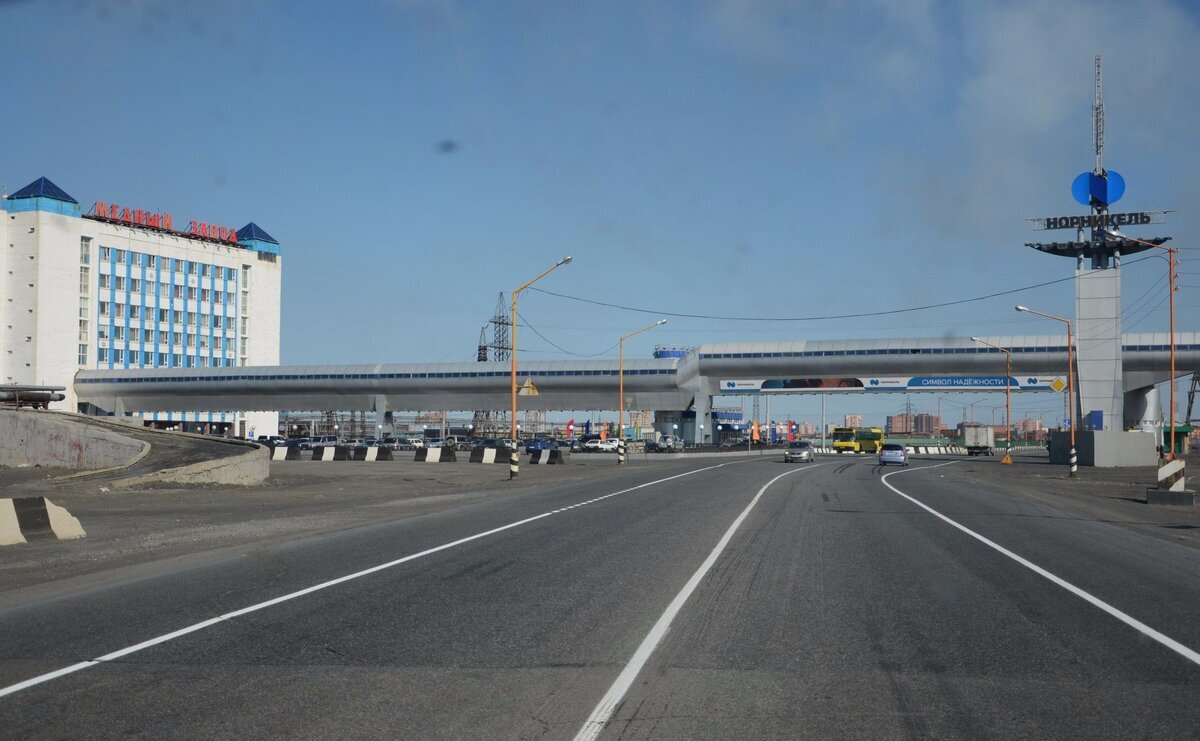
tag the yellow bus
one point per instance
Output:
(857, 439)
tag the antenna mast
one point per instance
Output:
(1098, 120)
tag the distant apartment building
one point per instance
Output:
(852, 420)
(899, 424)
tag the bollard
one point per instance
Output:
(1074, 464)
(621, 452)
(514, 464)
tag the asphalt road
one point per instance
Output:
(825, 605)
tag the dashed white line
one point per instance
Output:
(1134, 623)
(42, 678)
(603, 712)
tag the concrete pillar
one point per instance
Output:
(1098, 345)
(701, 431)
(1143, 409)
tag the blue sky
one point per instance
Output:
(736, 157)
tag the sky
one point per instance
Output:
(754, 158)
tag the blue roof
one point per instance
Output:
(254, 231)
(42, 188)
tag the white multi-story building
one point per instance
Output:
(123, 288)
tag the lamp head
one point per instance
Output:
(975, 339)
(661, 322)
(1018, 307)
(565, 260)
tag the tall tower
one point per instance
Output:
(1098, 281)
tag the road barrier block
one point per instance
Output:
(292, 454)
(279, 453)
(435, 455)
(322, 454)
(342, 453)
(487, 455)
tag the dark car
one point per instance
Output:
(541, 443)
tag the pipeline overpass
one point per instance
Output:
(682, 385)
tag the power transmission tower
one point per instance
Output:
(500, 322)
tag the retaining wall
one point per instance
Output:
(31, 437)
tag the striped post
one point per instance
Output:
(514, 463)
(1170, 475)
(1074, 462)
(621, 452)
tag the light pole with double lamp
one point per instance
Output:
(1007, 398)
(1074, 412)
(1171, 288)
(513, 353)
(621, 387)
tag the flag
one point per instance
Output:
(571, 430)
(791, 431)
(587, 427)
(755, 436)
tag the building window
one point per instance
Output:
(176, 360)
(151, 261)
(105, 280)
(85, 250)
(135, 311)
(119, 310)
(82, 355)
(102, 308)
(177, 338)
(178, 291)
(192, 268)
(216, 321)
(148, 359)
(85, 280)
(204, 270)
(266, 256)
(118, 356)
(204, 294)
(164, 315)
(118, 332)
(163, 358)
(217, 297)
(102, 355)
(191, 340)
(245, 325)
(120, 282)
(179, 267)
(102, 332)
(163, 337)
(105, 254)
(148, 335)
(191, 294)
(135, 285)
(120, 257)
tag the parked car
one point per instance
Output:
(305, 443)
(540, 443)
(800, 450)
(670, 443)
(273, 440)
(416, 442)
(893, 453)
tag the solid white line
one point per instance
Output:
(41, 678)
(1138, 625)
(603, 712)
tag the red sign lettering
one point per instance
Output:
(159, 220)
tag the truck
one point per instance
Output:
(979, 440)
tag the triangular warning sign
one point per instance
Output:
(527, 388)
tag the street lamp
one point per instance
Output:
(1007, 399)
(621, 382)
(1171, 293)
(1074, 412)
(513, 349)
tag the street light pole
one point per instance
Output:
(1074, 412)
(621, 388)
(1007, 399)
(512, 471)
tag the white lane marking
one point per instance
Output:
(41, 678)
(603, 712)
(1134, 623)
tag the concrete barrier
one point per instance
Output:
(30, 437)
(322, 454)
(373, 453)
(488, 455)
(280, 453)
(247, 469)
(435, 455)
(292, 454)
(342, 453)
(548, 457)
(27, 518)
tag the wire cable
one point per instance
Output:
(860, 315)
(559, 348)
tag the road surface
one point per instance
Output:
(682, 600)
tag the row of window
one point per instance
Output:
(190, 318)
(921, 351)
(147, 359)
(185, 339)
(163, 290)
(139, 259)
(377, 376)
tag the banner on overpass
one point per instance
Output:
(890, 383)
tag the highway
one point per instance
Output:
(688, 599)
